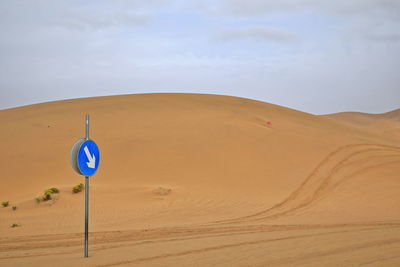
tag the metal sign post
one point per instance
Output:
(85, 159)
(86, 246)
(86, 216)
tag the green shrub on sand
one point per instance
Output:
(53, 190)
(48, 194)
(77, 188)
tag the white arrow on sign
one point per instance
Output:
(91, 158)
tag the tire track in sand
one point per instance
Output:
(335, 169)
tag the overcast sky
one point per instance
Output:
(312, 55)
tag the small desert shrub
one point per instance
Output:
(14, 207)
(14, 225)
(5, 203)
(47, 195)
(77, 188)
(53, 190)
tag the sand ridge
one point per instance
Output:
(201, 180)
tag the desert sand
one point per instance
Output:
(201, 180)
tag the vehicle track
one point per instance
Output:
(71, 243)
(334, 170)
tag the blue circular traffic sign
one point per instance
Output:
(85, 157)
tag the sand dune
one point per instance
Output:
(387, 124)
(201, 180)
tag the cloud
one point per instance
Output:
(259, 7)
(383, 38)
(27, 15)
(338, 7)
(264, 33)
(85, 20)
